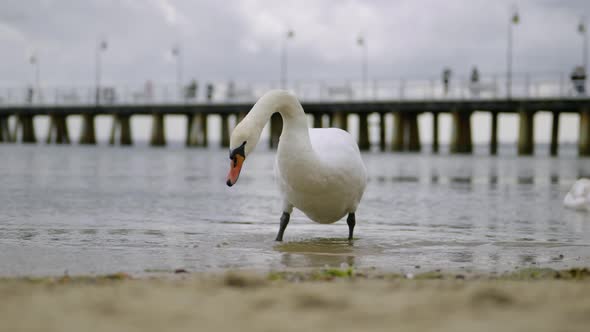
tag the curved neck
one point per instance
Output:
(295, 128)
(296, 159)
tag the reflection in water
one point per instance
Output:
(119, 231)
(527, 258)
(26, 235)
(324, 245)
(460, 179)
(526, 180)
(404, 179)
(154, 232)
(315, 260)
(317, 252)
(461, 256)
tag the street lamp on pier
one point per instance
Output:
(177, 53)
(100, 47)
(514, 20)
(290, 35)
(34, 61)
(362, 42)
(583, 33)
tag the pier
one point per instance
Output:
(405, 113)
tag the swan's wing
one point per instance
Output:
(573, 202)
(336, 148)
(340, 155)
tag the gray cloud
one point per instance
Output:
(241, 39)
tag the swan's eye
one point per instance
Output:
(240, 150)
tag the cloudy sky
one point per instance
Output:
(241, 39)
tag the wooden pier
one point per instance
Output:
(405, 135)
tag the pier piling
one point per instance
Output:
(339, 120)
(58, 129)
(276, 127)
(397, 142)
(406, 134)
(435, 132)
(584, 136)
(382, 131)
(554, 133)
(461, 141)
(317, 120)
(525, 133)
(158, 137)
(225, 130)
(121, 125)
(189, 129)
(5, 135)
(240, 117)
(196, 130)
(414, 144)
(26, 124)
(88, 135)
(363, 139)
(494, 134)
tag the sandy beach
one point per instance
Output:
(299, 301)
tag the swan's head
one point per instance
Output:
(242, 142)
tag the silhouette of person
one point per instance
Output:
(446, 78)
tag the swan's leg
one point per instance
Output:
(351, 221)
(284, 222)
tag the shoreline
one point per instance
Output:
(324, 299)
(328, 273)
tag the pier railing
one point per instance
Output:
(329, 103)
(548, 85)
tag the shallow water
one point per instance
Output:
(103, 209)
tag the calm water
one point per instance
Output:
(102, 209)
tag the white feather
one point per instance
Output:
(579, 195)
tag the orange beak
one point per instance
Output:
(235, 168)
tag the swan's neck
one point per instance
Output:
(295, 134)
(296, 159)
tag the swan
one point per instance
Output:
(579, 196)
(319, 171)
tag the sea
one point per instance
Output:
(86, 210)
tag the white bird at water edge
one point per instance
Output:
(319, 170)
(579, 195)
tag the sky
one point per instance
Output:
(242, 40)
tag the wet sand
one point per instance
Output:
(327, 300)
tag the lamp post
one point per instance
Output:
(362, 42)
(102, 46)
(34, 61)
(582, 31)
(290, 35)
(176, 52)
(514, 20)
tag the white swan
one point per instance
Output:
(579, 196)
(319, 171)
